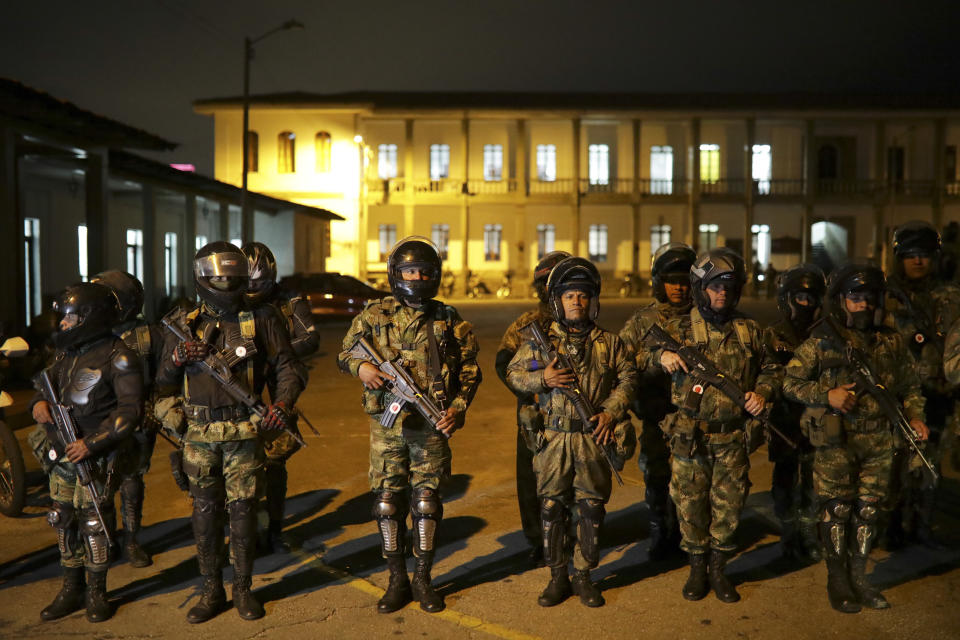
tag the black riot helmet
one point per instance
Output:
(671, 259)
(573, 273)
(126, 289)
(720, 265)
(95, 307)
(916, 238)
(805, 279)
(414, 252)
(857, 277)
(542, 272)
(220, 271)
(263, 272)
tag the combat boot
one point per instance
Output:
(423, 591)
(69, 599)
(98, 607)
(696, 587)
(272, 541)
(558, 589)
(865, 592)
(834, 536)
(243, 541)
(860, 541)
(131, 501)
(244, 601)
(207, 521)
(398, 593)
(583, 586)
(719, 582)
(213, 600)
(660, 543)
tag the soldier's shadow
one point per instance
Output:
(509, 560)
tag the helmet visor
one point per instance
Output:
(221, 264)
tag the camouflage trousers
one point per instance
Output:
(65, 488)
(861, 467)
(236, 464)
(409, 454)
(709, 491)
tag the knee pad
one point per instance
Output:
(208, 498)
(553, 515)
(836, 510)
(390, 512)
(551, 510)
(94, 537)
(63, 518)
(867, 510)
(591, 510)
(591, 517)
(426, 510)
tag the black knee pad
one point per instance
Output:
(591, 517)
(63, 517)
(426, 511)
(552, 510)
(867, 510)
(390, 512)
(94, 536)
(835, 510)
(553, 516)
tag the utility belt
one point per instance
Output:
(830, 429)
(197, 413)
(568, 425)
(689, 425)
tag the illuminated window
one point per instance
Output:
(762, 167)
(387, 161)
(200, 242)
(708, 236)
(598, 156)
(597, 242)
(323, 152)
(82, 253)
(135, 253)
(492, 162)
(761, 243)
(253, 152)
(286, 147)
(709, 163)
(492, 236)
(546, 238)
(439, 161)
(31, 265)
(661, 169)
(440, 234)
(546, 162)
(388, 238)
(170, 262)
(659, 236)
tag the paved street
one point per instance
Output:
(327, 587)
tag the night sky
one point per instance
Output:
(145, 62)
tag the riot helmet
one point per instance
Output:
(263, 272)
(569, 274)
(717, 266)
(95, 308)
(916, 238)
(414, 252)
(672, 260)
(126, 289)
(221, 272)
(861, 278)
(542, 272)
(801, 280)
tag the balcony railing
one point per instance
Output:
(442, 186)
(623, 186)
(492, 187)
(837, 187)
(780, 187)
(391, 185)
(651, 187)
(544, 187)
(912, 188)
(723, 187)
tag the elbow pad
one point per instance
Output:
(111, 432)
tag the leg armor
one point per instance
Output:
(131, 500)
(243, 535)
(553, 518)
(591, 517)
(390, 511)
(207, 521)
(63, 518)
(833, 527)
(426, 511)
(862, 535)
(95, 538)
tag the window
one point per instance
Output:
(761, 243)
(895, 164)
(170, 262)
(546, 162)
(135, 253)
(661, 169)
(546, 237)
(237, 242)
(492, 235)
(82, 253)
(322, 150)
(253, 151)
(762, 168)
(708, 237)
(659, 236)
(31, 265)
(827, 162)
(387, 161)
(598, 156)
(597, 242)
(440, 234)
(388, 238)
(439, 161)
(286, 147)
(709, 163)
(201, 241)
(492, 162)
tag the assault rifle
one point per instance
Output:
(67, 432)
(704, 372)
(218, 366)
(574, 393)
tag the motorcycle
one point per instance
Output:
(475, 286)
(506, 285)
(13, 486)
(447, 283)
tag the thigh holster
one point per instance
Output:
(553, 520)
(390, 512)
(591, 517)
(426, 511)
(63, 518)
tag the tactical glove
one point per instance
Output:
(277, 417)
(190, 352)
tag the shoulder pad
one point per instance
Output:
(124, 361)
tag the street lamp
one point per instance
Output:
(246, 219)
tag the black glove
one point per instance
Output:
(276, 417)
(190, 352)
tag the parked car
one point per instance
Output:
(331, 294)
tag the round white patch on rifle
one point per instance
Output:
(919, 338)
(241, 351)
(52, 455)
(394, 407)
(698, 388)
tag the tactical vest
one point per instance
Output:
(248, 329)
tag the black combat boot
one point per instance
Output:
(213, 600)
(696, 587)
(535, 555)
(98, 607)
(860, 540)
(583, 586)
(207, 521)
(808, 540)
(243, 536)
(272, 541)
(275, 499)
(398, 593)
(834, 536)
(131, 499)
(558, 589)
(246, 604)
(423, 592)
(866, 594)
(719, 582)
(70, 598)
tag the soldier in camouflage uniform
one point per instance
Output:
(852, 436)
(529, 418)
(800, 292)
(709, 434)
(670, 270)
(223, 453)
(439, 350)
(922, 308)
(297, 317)
(570, 465)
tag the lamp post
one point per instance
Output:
(246, 217)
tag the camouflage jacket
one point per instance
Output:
(737, 349)
(514, 338)
(951, 355)
(398, 329)
(817, 367)
(601, 361)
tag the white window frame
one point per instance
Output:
(440, 235)
(659, 236)
(661, 169)
(439, 161)
(597, 242)
(761, 243)
(31, 265)
(708, 236)
(83, 267)
(598, 156)
(387, 161)
(200, 241)
(709, 163)
(546, 239)
(547, 162)
(492, 242)
(387, 235)
(493, 162)
(170, 259)
(761, 167)
(135, 253)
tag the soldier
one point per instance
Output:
(295, 311)
(439, 351)
(529, 418)
(570, 465)
(852, 436)
(98, 378)
(800, 292)
(670, 270)
(921, 307)
(709, 434)
(223, 455)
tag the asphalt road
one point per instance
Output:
(328, 585)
